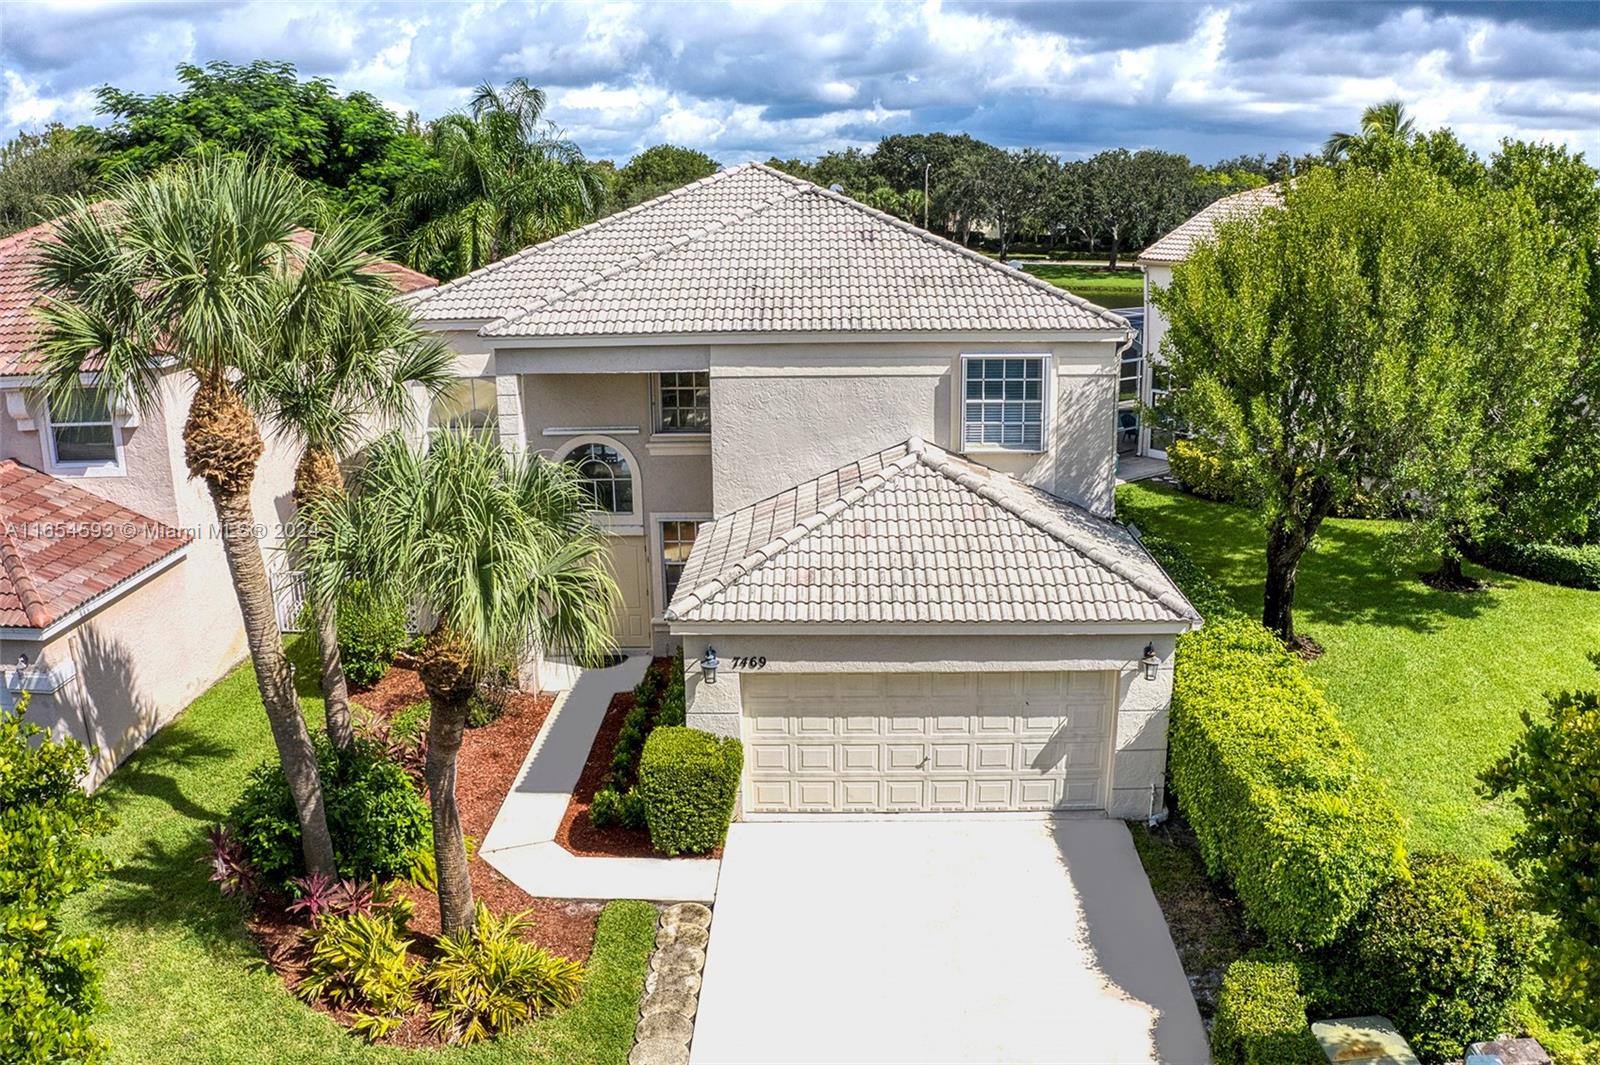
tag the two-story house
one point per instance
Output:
(864, 475)
(116, 604)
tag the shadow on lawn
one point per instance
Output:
(1353, 574)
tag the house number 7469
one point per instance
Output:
(750, 662)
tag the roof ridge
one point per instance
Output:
(947, 465)
(777, 545)
(571, 234)
(950, 245)
(682, 240)
(16, 571)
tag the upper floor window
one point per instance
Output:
(1003, 401)
(684, 401)
(82, 434)
(605, 475)
(677, 540)
(469, 406)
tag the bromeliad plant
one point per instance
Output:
(358, 962)
(488, 979)
(500, 552)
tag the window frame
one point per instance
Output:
(110, 467)
(659, 387)
(491, 430)
(620, 522)
(1045, 401)
(658, 552)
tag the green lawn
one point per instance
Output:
(1109, 288)
(1431, 683)
(184, 983)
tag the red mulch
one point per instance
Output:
(489, 761)
(576, 833)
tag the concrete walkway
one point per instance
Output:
(940, 942)
(521, 842)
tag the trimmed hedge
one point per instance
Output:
(689, 780)
(1206, 594)
(1569, 565)
(1203, 472)
(1282, 801)
(1261, 1017)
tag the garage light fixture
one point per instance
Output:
(1150, 661)
(708, 665)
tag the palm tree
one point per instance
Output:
(498, 550)
(340, 367)
(195, 270)
(1386, 119)
(505, 178)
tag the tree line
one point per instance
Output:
(463, 189)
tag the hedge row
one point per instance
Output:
(1283, 802)
(689, 780)
(1261, 1017)
(654, 704)
(1571, 565)
(1203, 472)
(1206, 594)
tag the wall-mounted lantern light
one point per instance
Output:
(22, 663)
(1150, 661)
(708, 665)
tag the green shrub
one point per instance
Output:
(689, 781)
(487, 979)
(372, 629)
(1204, 472)
(1261, 1017)
(49, 980)
(1442, 954)
(1571, 565)
(358, 963)
(376, 816)
(492, 696)
(1206, 594)
(411, 724)
(611, 807)
(1282, 801)
(1550, 774)
(673, 710)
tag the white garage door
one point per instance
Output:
(925, 742)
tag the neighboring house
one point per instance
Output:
(873, 470)
(116, 605)
(1157, 262)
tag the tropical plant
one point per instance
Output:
(199, 270)
(487, 979)
(501, 553)
(358, 962)
(318, 896)
(371, 630)
(229, 860)
(342, 364)
(49, 979)
(1382, 120)
(504, 178)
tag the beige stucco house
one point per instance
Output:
(116, 605)
(870, 470)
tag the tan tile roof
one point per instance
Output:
(18, 295)
(914, 534)
(1175, 246)
(752, 249)
(60, 546)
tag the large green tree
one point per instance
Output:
(198, 271)
(504, 178)
(351, 147)
(38, 169)
(501, 553)
(1346, 341)
(660, 169)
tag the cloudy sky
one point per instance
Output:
(749, 80)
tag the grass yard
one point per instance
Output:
(1109, 288)
(1430, 683)
(184, 983)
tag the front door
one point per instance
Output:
(631, 566)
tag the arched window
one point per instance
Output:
(467, 405)
(605, 475)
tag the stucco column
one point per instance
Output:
(508, 407)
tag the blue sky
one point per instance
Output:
(749, 80)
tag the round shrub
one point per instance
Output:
(1203, 471)
(377, 817)
(1442, 954)
(1261, 1017)
(372, 629)
(689, 780)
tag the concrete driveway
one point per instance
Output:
(940, 941)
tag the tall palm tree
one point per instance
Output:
(1386, 119)
(505, 178)
(500, 551)
(195, 270)
(340, 367)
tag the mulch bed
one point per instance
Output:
(576, 833)
(490, 759)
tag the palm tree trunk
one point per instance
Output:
(447, 720)
(316, 476)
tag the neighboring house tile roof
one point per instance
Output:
(61, 546)
(914, 534)
(18, 296)
(752, 249)
(1175, 246)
